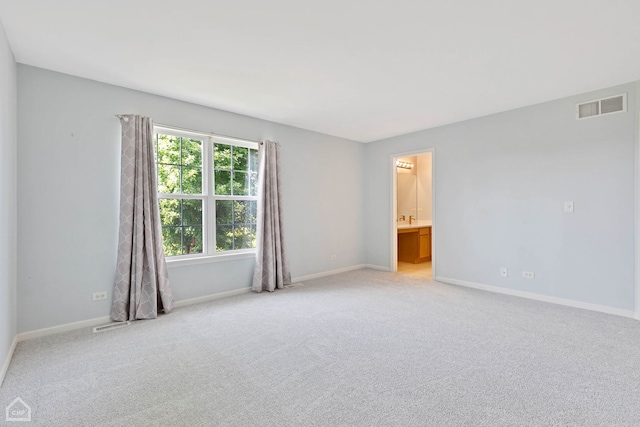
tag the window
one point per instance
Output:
(207, 191)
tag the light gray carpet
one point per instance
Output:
(364, 348)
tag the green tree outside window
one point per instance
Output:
(232, 179)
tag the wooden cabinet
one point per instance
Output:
(425, 244)
(414, 245)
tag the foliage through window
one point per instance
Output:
(207, 190)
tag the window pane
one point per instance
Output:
(191, 180)
(179, 163)
(224, 210)
(191, 152)
(172, 240)
(253, 160)
(240, 158)
(253, 183)
(191, 212)
(169, 212)
(191, 240)
(168, 149)
(223, 182)
(168, 179)
(181, 226)
(240, 183)
(242, 237)
(236, 224)
(242, 211)
(221, 156)
(253, 218)
(224, 237)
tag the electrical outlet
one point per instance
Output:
(97, 296)
(528, 274)
(333, 257)
(504, 272)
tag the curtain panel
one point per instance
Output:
(142, 283)
(272, 264)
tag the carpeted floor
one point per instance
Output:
(364, 348)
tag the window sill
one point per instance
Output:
(206, 259)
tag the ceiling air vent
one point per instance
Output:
(601, 107)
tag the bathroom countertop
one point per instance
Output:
(403, 225)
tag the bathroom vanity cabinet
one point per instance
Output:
(414, 244)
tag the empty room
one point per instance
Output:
(319, 213)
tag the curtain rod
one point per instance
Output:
(215, 135)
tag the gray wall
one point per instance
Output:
(500, 184)
(8, 182)
(68, 177)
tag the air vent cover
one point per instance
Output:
(612, 105)
(601, 107)
(111, 326)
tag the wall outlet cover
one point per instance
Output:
(98, 296)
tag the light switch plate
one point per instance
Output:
(568, 206)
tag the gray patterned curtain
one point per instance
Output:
(272, 266)
(142, 282)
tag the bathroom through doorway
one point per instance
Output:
(413, 214)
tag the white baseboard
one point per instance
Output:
(5, 366)
(540, 297)
(198, 300)
(377, 267)
(327, 273)
(97, 321)
(89, 323)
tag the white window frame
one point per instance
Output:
(209, 198)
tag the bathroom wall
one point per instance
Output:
(414, 187)
(424, 184)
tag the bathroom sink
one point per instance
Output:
(403, 225)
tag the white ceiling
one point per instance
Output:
(363, 70)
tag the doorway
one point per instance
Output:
(413, 214)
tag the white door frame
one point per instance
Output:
(394, 206)
(637, 222)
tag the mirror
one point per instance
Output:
(407, 196)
